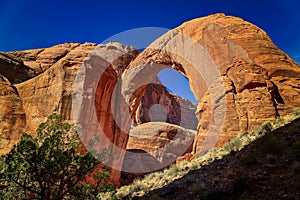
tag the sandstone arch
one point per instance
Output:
(250, 69)
(176, 51)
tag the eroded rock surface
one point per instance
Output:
(14, 69)
(161, 140)
(12, 116)
(237, 74)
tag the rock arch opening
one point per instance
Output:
(177, 84)
(168, 99)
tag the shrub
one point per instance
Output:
(173, 170)
(242, 134)
(280, 121)
(296, 112)
(232, 145)
(266, 127)
(49, 166)
(137, 186)
(269, 150)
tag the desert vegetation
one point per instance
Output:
(50, 166)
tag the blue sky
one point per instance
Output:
(28, 24)
(176, 83)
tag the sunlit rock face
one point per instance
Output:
(12, 116)
(237, 74)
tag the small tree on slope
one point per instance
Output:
(50, 166)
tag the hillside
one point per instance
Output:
(267, 168)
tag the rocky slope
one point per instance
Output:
(266, 169)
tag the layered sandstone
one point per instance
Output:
(42, 59)
(51, 91)
(14, 69)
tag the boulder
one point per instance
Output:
(164, 141)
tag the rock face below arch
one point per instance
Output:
(137, 159)
(258, 81)
(160, 145)
(162, 140)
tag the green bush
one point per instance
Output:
(242, 134)
(137, 186)
(266, 127)
(173, 170)
(232, 145)
(50, 166)
(296, 112)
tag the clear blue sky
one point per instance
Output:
(27, 24)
